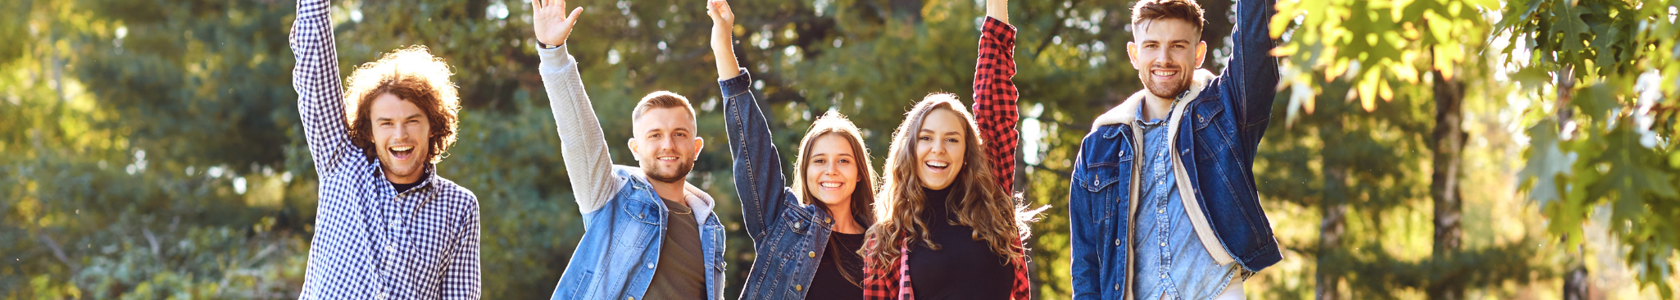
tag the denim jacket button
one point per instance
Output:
(795, 225)
(1116, 286)
(1116, 242)
(812, 254)
(798, 287)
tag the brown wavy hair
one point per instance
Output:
(997, 217)
(863, 197)
(414, 75)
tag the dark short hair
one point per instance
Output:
(661, 99)
(411, 74)
(1155, 10)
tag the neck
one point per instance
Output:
(670, 190)
(1155, 107)
(843, 221)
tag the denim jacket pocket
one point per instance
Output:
(636, 224)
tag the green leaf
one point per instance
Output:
(1547, 164)
(1569, 22)
(1634, 173)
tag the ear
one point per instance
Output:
(634, 148)
(1131, 53)
(699, 143)
(1201, 53)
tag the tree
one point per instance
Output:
(1605, 140)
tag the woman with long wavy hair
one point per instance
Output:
(806, 236)
(947, 225)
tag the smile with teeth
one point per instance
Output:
(938, 165)
(402, 152)
(667, 158)
(1164, 72)
(829, 184)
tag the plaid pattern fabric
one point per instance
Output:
(371, 242)
(997, 114)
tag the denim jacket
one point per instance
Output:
(624, 220)
(1219, 125)
(789, 236)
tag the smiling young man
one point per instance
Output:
(387, 226)
(1163, 196)
(648, 234)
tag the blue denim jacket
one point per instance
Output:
(789, 236)
(1221, 127)
(624, 219)
(621, 243)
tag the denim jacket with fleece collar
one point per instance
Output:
(1216, 127)
(624, 220)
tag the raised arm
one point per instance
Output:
(1251, 78)
(584, 146)
(320, 93)
(995, 97)
(758, 167)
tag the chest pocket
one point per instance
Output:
(1211, 140)
(636, 222)
(1105, 163)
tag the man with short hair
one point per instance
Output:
(387, 226)
(648, 234)
(1163, 199)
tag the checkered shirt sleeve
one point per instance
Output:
(996, 112)
(995, 98)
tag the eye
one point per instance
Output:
(924, 138)
(819, 161)
(951, 140)
(656, 135)
(845, 161)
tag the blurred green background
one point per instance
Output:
(1420, 149)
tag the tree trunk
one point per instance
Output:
(1333, 206)
(1576, 284)
(1448, 148)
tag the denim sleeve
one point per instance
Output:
(758, 167)
(1249, 84)
(1084, 240)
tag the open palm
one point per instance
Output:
(552, 23)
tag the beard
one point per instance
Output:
(670, 175)
(1167, 89)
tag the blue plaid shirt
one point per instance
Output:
(370, 241)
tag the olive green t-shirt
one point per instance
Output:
(681, 270)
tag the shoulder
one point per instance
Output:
(457, 200)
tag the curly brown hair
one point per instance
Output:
(412, 74)
(997, 217)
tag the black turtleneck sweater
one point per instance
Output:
(962, 268)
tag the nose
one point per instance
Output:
(830, 169)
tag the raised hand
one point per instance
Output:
(998, 9)
(723, 41)
(552, 24)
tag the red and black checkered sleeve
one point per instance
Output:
(995, 98)
(1023, 286)
(879, 282)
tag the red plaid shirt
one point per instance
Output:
(997, 114)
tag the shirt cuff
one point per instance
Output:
(736, 85)
(554, 58)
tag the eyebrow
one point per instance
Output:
(389, 118)
(946, 133)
